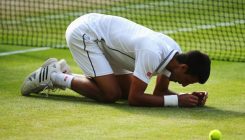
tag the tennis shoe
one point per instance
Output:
(40, 79)
(64, 67)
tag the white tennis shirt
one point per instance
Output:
(133, 46)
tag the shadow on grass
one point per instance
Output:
(206, 112)
(63, 98)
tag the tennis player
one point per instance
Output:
(118, 58)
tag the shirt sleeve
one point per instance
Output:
(145, 64)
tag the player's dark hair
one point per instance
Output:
(198, 64)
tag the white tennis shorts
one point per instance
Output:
(88, 53)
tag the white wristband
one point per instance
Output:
(170, 100)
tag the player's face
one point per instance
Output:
(179, 75)
(187, 79)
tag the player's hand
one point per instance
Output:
(187, 100)
(202, 97)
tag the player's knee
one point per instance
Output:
(112, 97)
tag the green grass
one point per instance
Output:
(66, 115)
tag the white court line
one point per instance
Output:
(24, 51)
(205, 27)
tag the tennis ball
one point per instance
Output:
(215, 135)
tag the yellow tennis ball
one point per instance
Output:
(215, 135)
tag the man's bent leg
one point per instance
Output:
(124, 82)
(102, 88)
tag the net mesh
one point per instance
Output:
(215, 27)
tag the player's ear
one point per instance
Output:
(184, 67)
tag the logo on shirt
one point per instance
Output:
(66, 77)
(149, 74)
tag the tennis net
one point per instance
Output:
(216, 27)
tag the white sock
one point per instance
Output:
(61, 79)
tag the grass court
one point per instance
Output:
(67, 115)
(214, 27)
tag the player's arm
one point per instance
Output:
(161, 88)
(148, 62)
(137, 97)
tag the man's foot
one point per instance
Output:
(40, 79)
(64, 67)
